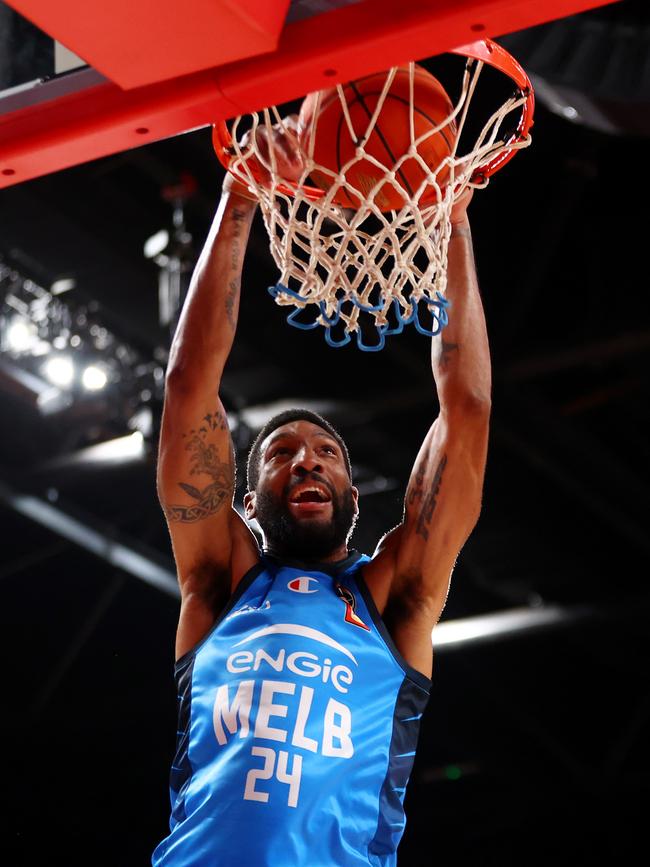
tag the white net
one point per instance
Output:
(340, 265)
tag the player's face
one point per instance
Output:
(304, 501)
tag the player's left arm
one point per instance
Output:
(411, 571)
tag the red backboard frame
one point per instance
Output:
(311, 54)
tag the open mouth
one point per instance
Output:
(310, 494)
(310, 498)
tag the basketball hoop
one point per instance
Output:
(340, 265)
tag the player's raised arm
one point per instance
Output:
(196, 471)
(413, 565)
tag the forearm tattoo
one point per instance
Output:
(446, 348)
(427, 500)
(238, 218)
(231, 299)
(415, 490)
(204, 460)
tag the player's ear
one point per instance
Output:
(250, 505)
(355, 497)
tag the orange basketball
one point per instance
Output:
(389, 140)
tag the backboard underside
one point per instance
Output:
(152, 74)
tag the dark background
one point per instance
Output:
(534, 748)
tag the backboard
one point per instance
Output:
(129, 74)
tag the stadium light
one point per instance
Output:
(59, 369)
(21, 334)
(94, 378)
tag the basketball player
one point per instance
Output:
(303, 668)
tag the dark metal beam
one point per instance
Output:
(106, 543)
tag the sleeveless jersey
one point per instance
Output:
(298, 724)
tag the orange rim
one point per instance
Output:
(494, 55)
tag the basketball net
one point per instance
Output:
(340, 265)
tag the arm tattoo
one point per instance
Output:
(204, 459)
(238, 218)
(231, 298)
(415, 490)
(430, 501)
(445, 352)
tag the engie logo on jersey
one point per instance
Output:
(303, 585)
(290, 698)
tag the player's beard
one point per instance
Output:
(305, 540)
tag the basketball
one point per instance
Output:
(389, 140)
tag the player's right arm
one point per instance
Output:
(212, 546)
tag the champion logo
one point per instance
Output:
(303, 584)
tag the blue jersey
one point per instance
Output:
(298, 724)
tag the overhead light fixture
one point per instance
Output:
(569, 112)
(114, 451)
(21, 334)
(65, 284)
(59, 369)
(94, 378)
(255, 417)
(484, 627)
(154, 245)
(56, 339)
(142, 421)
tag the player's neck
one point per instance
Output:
(285, 553)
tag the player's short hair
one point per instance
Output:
(289, 415)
